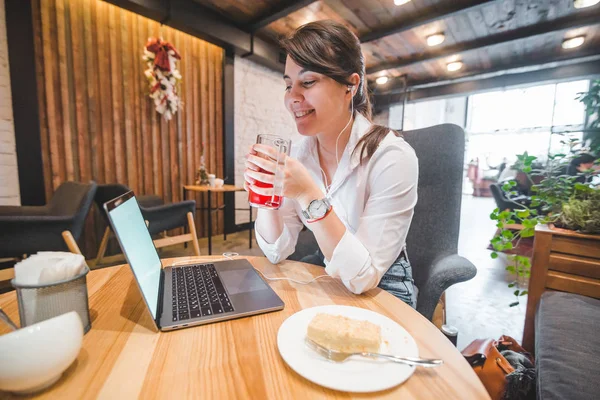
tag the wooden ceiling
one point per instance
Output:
(486, 36)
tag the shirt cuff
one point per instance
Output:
(349, 258)
(273, 251)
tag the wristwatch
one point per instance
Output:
(317, 209)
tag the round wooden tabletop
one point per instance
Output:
(203, 188)
(124, 357)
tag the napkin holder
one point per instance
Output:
(41, 302)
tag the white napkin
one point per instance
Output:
(47, 267)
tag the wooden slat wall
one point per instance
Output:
(97, 122)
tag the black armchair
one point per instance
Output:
(502, 200)
(159, 217)
(54, 227)
(432, 241)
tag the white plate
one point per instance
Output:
(356, 374)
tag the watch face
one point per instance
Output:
(317, 208)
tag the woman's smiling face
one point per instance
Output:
(315, 101)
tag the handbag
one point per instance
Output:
(487, 358)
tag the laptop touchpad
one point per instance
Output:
(241, 281)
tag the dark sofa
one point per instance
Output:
(567, 347)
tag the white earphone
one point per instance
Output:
(340, 134)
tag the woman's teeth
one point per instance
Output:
(300, 114)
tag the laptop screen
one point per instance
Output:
(136, 242)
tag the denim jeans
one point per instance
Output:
(397, 280)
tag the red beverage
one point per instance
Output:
(257, 200)
(282, 148)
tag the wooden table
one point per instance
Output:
(123, 357)
(209, 190)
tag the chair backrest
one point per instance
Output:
(502, 202)
(73, 199)
(498, 196)
(106, 193)
(436, 223)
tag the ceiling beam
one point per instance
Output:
(277, 12)
(583, 70)
(197, 20)
(451, 10)
(395, 84)
(576, 20)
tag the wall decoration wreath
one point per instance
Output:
(163, 77)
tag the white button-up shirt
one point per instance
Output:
(374, 200)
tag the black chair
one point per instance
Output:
(57, 226)
(159, 217)
(502, 200)
(432, 242)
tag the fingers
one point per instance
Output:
(253, 176)
(261, 163)
(251, 166)
(268, 151)
(263, 191)
(268, 191)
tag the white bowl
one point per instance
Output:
(34, 357)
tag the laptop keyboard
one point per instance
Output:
(198, 292)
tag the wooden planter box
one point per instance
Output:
(563, 260)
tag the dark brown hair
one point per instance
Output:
(329, 48)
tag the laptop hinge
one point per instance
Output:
(161, 295)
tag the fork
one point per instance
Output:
(338, 356)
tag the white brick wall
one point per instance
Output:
(9, 178)
(258, 109)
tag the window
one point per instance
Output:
(502, 124)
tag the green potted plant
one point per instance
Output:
(558, 199)
(591, 101)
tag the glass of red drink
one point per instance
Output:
(282, 146)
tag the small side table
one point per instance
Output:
(210, 190)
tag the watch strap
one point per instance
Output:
(318, 219)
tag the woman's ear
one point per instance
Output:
(354, 79)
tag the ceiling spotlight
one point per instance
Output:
(400, 2)
(454, 66)
(573, 42)
(382, 80)
(435, 39)
(585, 3)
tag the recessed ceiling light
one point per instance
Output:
(382, 80)
(585, 3)
(573, 42)
(435, 39)
(400, 2)
(454, 66)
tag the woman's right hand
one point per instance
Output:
(297, 183)
(249, 166)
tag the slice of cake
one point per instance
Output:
(344, 334)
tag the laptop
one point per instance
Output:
(187, 295)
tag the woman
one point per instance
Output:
(580, 165)
(352, 183)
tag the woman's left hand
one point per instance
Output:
(298, 183)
